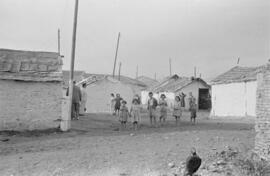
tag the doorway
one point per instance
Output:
(204, 99)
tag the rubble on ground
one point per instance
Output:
(229, 162)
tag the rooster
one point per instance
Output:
(193, 163)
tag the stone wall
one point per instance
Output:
(262, 126)
(29, 105)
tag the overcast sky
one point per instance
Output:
(208, 34)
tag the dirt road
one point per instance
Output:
(96, 147)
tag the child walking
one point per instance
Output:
(151, 107)
(117, 104)
(135, 112)
(123, 116)
(163, 109)
(192, 108)
(177, 109)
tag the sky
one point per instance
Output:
(207, 34)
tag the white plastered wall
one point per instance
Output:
(234, 99)
(99, 95)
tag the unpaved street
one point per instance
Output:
(95, 146)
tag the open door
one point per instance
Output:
(204, 99)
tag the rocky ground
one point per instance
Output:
(95, 146)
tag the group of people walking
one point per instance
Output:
(119, 108)
(178, 107)
(79, 99)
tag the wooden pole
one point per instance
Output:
(137, 70)
(195, 72)
(116, 52)
(58, 41)
(119, 71)
(170, 62)
(71, 76)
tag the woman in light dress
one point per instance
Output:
(177, 109)
(163, 109)
(112, 104)
(135, 113)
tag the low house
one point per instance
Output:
(99, 89)
(234, 92)
(174, 85)
(30, 90)
(149, 82)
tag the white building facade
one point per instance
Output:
(234, 99)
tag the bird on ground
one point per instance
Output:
(193, 163)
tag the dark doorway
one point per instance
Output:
(204, 99)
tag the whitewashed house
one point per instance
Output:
(234, 92)
(99, 89)
(175, 85)
(30, 90)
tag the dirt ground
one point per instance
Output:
(96, 147)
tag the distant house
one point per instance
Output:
(30, 90)
(100, 86)
(234, 92)
(174, 85)
(149, 82)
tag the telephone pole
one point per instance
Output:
(170, 62)
(119, 71)
(116, 52)
(195, 72)
(71, 76)
(58, 41)
(137, 70)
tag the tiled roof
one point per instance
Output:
(238, 74)
(148, 81)
(123, 79)
(175, 83)
(165, 82)
(30, 65)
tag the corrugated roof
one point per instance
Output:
(30, 65)
(238, 74)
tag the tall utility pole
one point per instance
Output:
(137, 71)
(170, 63)
(58, 41)
(195, 72)
(116, 52)
(72, 60)
(119, 71)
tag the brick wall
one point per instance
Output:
(262, 126)
(26, 105)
